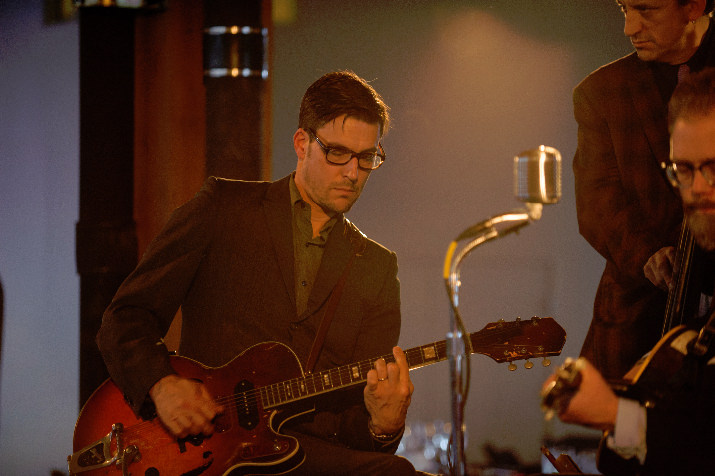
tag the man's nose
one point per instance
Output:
(351, 169)
(633, 24)
(700, 184)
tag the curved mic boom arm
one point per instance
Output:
(460, 346)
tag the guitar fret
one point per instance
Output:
(315, 380)
(264, 401)
(335, 380)
(339, 377)
(269, 395)
(415, 358)
(300, 387)
(282, 393)
(290, 390)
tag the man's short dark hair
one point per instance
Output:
(338, 93)
(694, 97)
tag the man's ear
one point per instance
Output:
(301, 141)
(697, 9)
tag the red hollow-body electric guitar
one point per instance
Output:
(258, 390)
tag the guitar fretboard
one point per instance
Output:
(502, 341)
(342, 377)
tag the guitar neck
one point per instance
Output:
(502, 341)
(345, 376)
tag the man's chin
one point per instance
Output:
(338, 206)
(702, 227)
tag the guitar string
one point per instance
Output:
(297, 388)
(145, 429)
(251, 397)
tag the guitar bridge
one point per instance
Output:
(99, 454)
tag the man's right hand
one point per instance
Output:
(184, 406)
(594, 404)
(659, 268)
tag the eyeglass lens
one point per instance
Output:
(684, 172)
(341, 156)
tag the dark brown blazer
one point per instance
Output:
(226, 258)
(626, 208)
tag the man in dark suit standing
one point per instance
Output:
(250, 262)
(667, 428)
(626, 209)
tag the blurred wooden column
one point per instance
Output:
(149, 121)
(238, 88)
(170, 137)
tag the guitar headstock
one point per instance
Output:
(520, 339)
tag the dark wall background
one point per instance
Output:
(470, 85)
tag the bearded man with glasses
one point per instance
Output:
(663, 423)
(256, 262)
(626, 209)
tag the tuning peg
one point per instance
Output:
(512, 366)
(529, 364)
(546, 362)
(518, 318)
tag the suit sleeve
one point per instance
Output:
(679, 436)
(133, 326)
(610, 218)
(379, 335)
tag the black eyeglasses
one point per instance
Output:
(681, 173)
(340, 155)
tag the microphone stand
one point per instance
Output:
(459, 346)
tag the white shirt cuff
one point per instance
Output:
(629, 434)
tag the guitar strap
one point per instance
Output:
(358, 244)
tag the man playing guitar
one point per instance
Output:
(667, 426)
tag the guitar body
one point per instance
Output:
(245, 440)
(259, 391)
(662, 370)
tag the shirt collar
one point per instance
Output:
(296, 199)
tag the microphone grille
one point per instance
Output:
(537, 175)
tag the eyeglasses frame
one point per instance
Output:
(326, 150)
(670, 171)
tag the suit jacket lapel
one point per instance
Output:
(651, 109)
(335, 258)
(279, 219)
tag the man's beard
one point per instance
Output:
(702, 227)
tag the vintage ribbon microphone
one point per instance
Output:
(537, 181)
